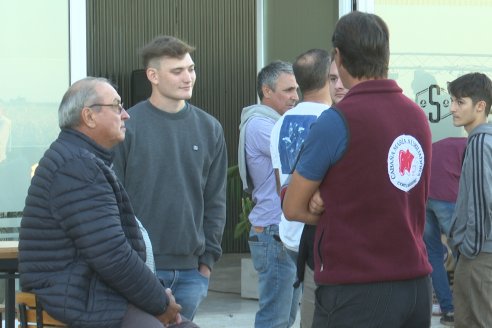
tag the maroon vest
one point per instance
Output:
(375, 194)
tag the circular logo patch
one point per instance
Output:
(405, 162)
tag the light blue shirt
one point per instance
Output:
(267, 209)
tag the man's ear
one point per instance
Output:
(87, 118)
(152, 75)
(480, 106)
(266, 91)
(338, 58)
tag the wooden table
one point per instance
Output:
(9, 251)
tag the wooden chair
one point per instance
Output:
(9, 230)
(31, 313)
(2, 311)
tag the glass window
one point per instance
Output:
(433, 42)
(35, 73)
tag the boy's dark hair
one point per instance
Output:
(362, 40)
(164, 45)
(476, 86)
(311, 69)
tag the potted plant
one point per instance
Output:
(234, 183)
(249, 276)
(243, 226)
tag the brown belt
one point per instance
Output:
(258, 229)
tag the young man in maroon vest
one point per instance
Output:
(369, 156)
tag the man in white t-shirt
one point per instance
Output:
(320, 87)
(311, 70)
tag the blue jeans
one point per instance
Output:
(438, 221)
(296, 292)
(276, 276)
(189, 288)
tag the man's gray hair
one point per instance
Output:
(269, 75)
(80, 94)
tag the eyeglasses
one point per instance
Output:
(117, 106)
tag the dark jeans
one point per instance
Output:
(136, 318)
(189, 288)
(438, 221)
(395, 304)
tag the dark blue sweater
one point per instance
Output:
(80, 248)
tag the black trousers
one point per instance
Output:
(395, 304)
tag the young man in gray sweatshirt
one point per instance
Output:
(173, 165)
(471, 227)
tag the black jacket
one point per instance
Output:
(80, 248)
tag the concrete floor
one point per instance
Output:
(224, 306)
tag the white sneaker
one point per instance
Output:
(436, 310)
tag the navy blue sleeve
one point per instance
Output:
(324, 146)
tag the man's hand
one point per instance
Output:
(172, 311)
(204, 270)
(298, 197)
(316, 204)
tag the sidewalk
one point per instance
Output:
(224, 306)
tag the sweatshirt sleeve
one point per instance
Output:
(274, 142)
(479, 189)
(215, 204)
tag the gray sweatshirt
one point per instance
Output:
(246, 115)
(471, 228)
(174, 168)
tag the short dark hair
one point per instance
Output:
(476, 86)
(362, 40)
(311, 69)
(269, 75)
(164, 46)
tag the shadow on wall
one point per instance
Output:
(140, 87)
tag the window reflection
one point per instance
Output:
(428, 49)
(35, 73)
